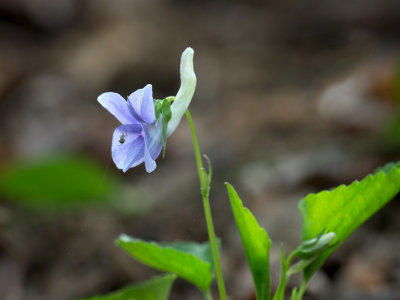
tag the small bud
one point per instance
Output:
(315, 246)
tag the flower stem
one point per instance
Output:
(302, 289)
(204, 183)
(285, 264)
(208, 296)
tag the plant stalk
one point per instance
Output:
(301, 291)
(285, 264)
(207, 210)
(208, 295)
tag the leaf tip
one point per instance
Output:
(228, 185)
(123, 238)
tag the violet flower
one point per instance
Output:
(140, 137)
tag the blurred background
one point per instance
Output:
(292, 97)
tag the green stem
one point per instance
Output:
(207, 210)
(301, 291)
(196, 147)
(208, 295)
(285, 263)
(297, 294)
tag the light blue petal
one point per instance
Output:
(135, 160)
(153, 144)
(153, 138)
(143, 105)
(128, 146)
(149, 163)
(118, 107)
(148, 112)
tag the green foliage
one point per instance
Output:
(205, 178)
(163, 108)
(190, 261)
(157, 288)
(166, 111)
(315, 246)
(280, 291)
(345, 208)
(55, 181)
(256, 244)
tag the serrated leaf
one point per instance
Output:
(345, 208)
(157, 288)
(256, 244)
(190, 261)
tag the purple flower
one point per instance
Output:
(139, 138)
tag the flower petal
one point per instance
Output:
(153, 144)
(118, 107)
(143, 105)
(149, 163)
(128, 146)
(153, 138)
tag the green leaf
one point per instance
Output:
(201, 251)
(190, 261)
(157, 288)
(345, 208)
(56, 181)
(256, 244)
